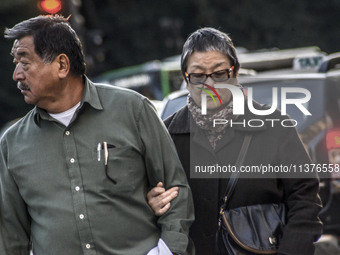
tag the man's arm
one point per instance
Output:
(163, 165)
(14, 220)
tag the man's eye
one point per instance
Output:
(24, 64)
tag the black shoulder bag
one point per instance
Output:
(254, 229)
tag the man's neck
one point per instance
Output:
(71, 94)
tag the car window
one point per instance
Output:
(173, 106)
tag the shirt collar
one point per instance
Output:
(90, 96)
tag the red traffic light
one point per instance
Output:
(50, 6)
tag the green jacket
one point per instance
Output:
(57, 191)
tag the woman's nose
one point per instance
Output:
(210, 81)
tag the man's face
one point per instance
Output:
(37, 80)
(207, 63)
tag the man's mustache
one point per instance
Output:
(22, 86)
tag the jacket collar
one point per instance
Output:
(180, 121)
(90, 96)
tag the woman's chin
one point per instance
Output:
(214, 109)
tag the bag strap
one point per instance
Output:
(235, 175)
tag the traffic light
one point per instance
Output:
(50, 6)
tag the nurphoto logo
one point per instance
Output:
(239, 99)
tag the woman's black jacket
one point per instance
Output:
(272, 144)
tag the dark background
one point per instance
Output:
(119, 33)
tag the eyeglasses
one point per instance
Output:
(218, 76)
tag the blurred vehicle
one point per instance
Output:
(157, 79)
(158, 104)
(154, 79)
(173, 103)
(320, 132)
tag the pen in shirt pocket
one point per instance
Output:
(106, 156)
(104, 146)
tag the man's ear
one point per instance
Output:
(63, 64)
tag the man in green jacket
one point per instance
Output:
(74, 172)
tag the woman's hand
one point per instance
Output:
(159, 199)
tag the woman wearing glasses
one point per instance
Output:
(209, 58)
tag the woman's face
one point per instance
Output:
(207, 63)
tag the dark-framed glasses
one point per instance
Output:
(218, 76)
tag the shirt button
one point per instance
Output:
(67, 132)
(72, 160)
(88, 246)
(77, 188)
(81, 216)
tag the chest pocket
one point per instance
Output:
(124, 168)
